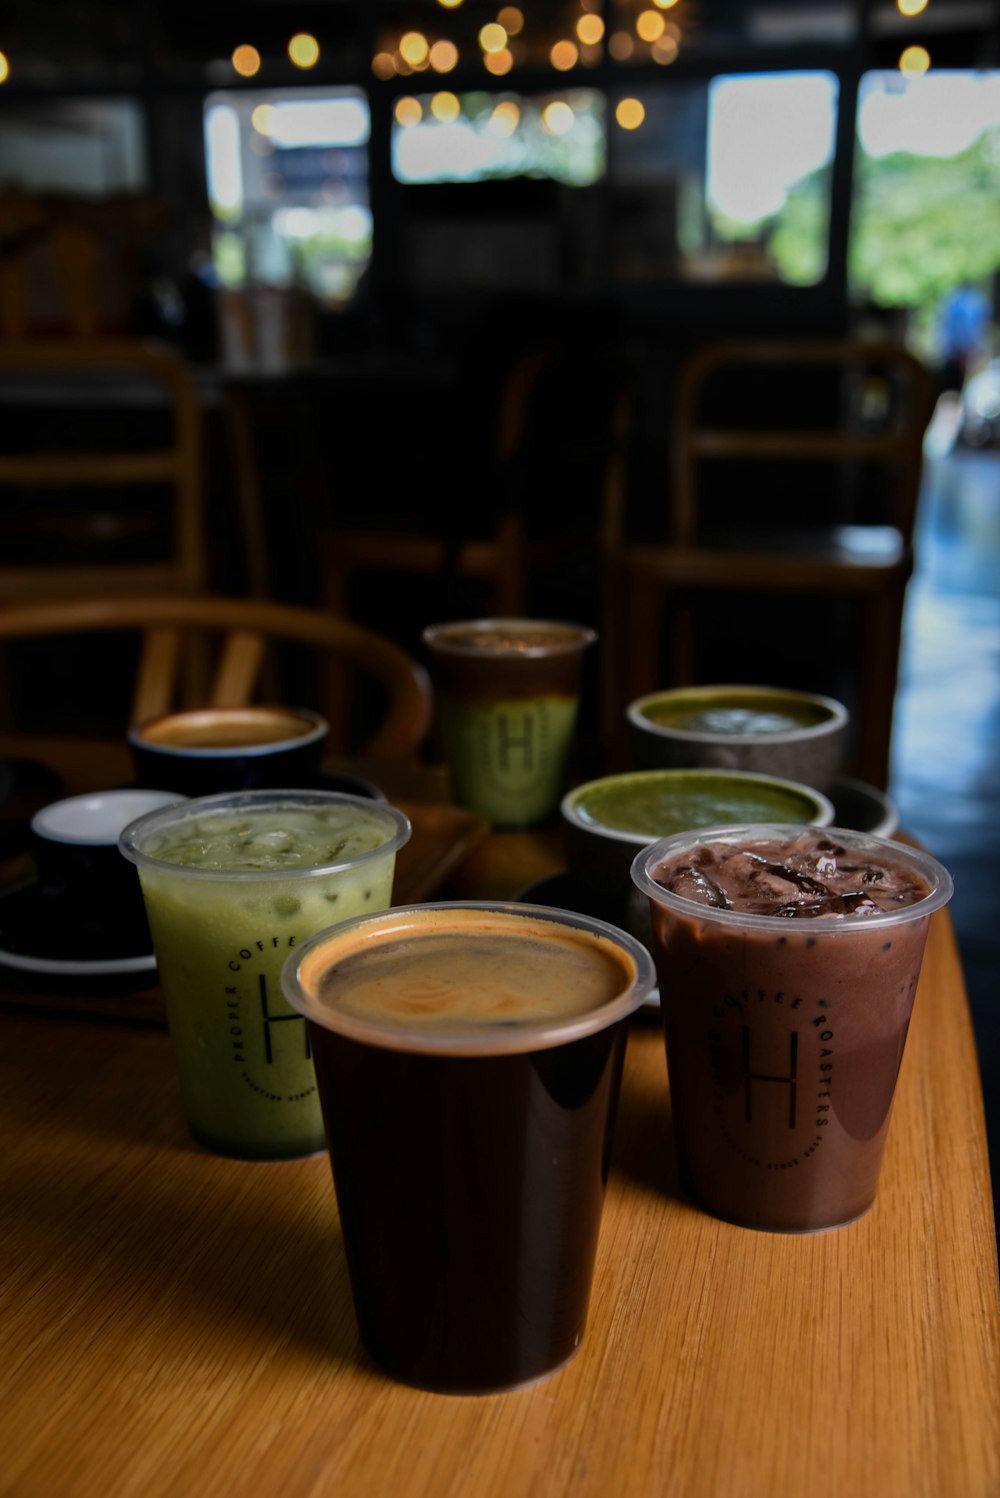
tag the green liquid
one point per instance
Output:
(652, 807)
(751, 716)
(508, 758)
(243, 1053)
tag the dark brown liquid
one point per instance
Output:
(470, 1192)
(783, 1050)
(229, 728)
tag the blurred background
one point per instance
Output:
(435, 265)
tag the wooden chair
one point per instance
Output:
(244, 635)
(119, 516)
(518, 499)
(500, 558)
(829, 546)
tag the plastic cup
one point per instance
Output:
(470, 1148)
(508, 691)
(784, 1035)
(231, 885)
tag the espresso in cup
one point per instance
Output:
(206, 750)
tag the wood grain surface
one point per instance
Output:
(175, 1323)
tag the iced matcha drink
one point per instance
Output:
(232, 884)
(508, 691)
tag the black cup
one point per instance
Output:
(209, 750)
(74, 848)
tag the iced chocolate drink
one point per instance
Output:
(788, 961)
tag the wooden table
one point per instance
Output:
(175, 1323)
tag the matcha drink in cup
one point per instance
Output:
(232, 884)
(508, 692)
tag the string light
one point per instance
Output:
(630, 113)
(413, 48)
(445, 107)
(246, 61)
(914, 62)
(443, 56)
(303, 50)
(511, 19)
(493, 38)
(409, 111)
(558, 118)
(590, 30)
(649, 25)
(498, 63)
(564, 55)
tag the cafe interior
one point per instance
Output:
(326, 321)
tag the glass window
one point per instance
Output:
(728, 180)
(444, 137)
(87, 147)
(926, 216)
(288, 187)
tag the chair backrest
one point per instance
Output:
(878, 396)
(88, 497)
(242, 635)
(71, 265)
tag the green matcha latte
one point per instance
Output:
(232, 884)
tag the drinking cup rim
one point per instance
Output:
(290, 799)
(837, 719)
(578, 637)
(516, 1039)
(570, 812)
(940, 881)
(136, 734)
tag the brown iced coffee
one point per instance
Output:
(788, 961)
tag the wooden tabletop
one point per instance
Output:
(177, 1323)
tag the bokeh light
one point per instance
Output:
(246, 61)
(914, 62)
(445, 107)
(383, 66)
(4, 68)
(558, 118)
(911, 7)
(621, 46)
(499, 63)
(443, 56)
(493, 38)
(649, 25)
(409, 111)
(303, 50)
(511, 19)
(413, 48)
(630, 113)
(505, 119)
(564, 55)
(590, 30)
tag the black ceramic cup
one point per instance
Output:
(204, 751)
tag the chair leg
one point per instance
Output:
(882, 634)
